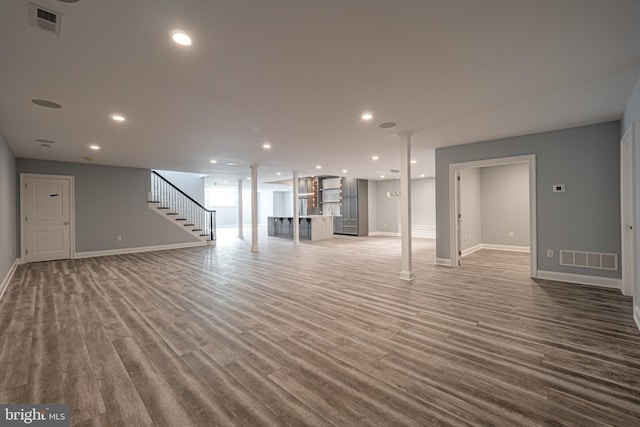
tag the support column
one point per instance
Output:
(254, 209)
(406, 273)
(240, 224)
(296, 213)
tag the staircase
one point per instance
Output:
(176, 206)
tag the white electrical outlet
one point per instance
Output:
(549, 253)
(119, 238)
(511, 234)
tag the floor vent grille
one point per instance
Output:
(589, 260)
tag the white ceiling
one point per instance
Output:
(299, 74)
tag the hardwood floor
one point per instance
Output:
(320, 333)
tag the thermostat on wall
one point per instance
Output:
(558, 188)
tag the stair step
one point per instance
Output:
(188, 225)
(172, 213)
(197, 229)
(181, 219)
(153, 201)
(163, 207)
(204, 235)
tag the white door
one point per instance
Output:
(46, 218)
(627, 211)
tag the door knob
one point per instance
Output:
(66, 223)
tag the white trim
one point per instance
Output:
(472, 249)
(423, 231)
(492, 247)
(505, 248)
(636, 316)
(581, 279)
(628, 231)
(72, 209)
(533, 235)
(384, 233)
(444, 262)
(7, 278)
(121, 251)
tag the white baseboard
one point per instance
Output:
(423, 231)
(8, 277)
(479, 246)
(472, 249)
(581, 279)
(445, 262)
(636, 315)
(91, 254)
(384, 233)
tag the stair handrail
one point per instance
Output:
(209, 211)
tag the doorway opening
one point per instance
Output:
(630, 286)
(492, 205)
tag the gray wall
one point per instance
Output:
(586, 217)
(110, 201)
(471, 207)
(505, 204)
(8, 234)
(631, 115)
(190, 183)
(387, 213)
(387, 209)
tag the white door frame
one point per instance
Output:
(454, 170)
(628, 212)
(72, 211)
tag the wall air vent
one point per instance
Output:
(589, 260)
(45, 19)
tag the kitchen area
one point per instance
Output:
(327, 205)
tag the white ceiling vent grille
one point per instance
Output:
(45, 19)
(589, 260)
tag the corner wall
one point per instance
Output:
(110, 201)
(584, 218)
(8, 232)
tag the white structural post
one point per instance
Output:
(240, 224)
(296, 214)
(254, 209)
(405, 204)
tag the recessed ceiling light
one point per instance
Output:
(232, 164)
(413, 162)
(367, 116)
(181, 39)
(381, 176)
(249, 178)
(387, 125)
(266, 145)
(213, 161)
(278, 173)
(118, 118)
(421, 175)
(318, 167)
(344, 171)
(94, 147)
(375, 158)
(45, 103)
(224, 182)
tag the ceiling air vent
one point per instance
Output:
(45, 19)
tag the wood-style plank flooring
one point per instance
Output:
(320, 333)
